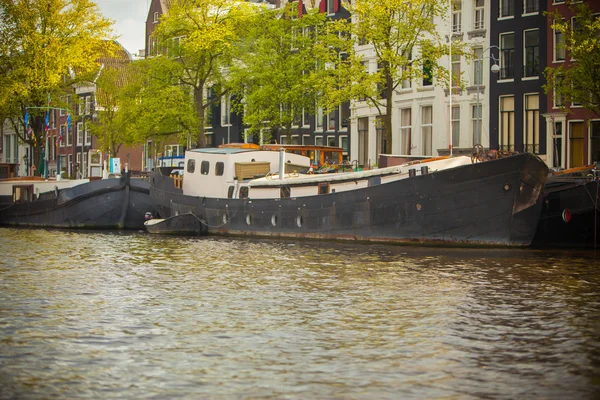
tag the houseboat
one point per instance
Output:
(244, 191)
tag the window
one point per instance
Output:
(319, 119)
(226, 110)
(323, 188)
(427, 73)
(558, 99)
(455, 126)
(344, 145)
(230, 190)
(306, 139)
(427, 129)
(532, 53)
(331, 120)
(557, 141)
(331, 141)
(476, 118)
(79, 134)
(318, 140)
(507, 8)
(532, 125)
(219, 168)
(244, 192)
(63, 134)
(507, 51)
(69, 137)
(595, 141)
(456, 16)
(479, 14)
(87, 135)
(284, 191)
(70, 165)
(531, 6)
(559, 45)
(363, 140)
(507, 123)
(191, 166)
(204, 167)
(456, 70)
(331, 6)
(305, 118)
(478, 66)
(155, 20)
(344, 115)
(405, 130)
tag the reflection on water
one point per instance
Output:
(104, 315)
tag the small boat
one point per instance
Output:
(262, 193)
(114, 203)
(570, 214)
(186, 224)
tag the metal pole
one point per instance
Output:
(450, 81)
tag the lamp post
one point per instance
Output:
(495, 69)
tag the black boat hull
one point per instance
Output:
(570, 215)
(117, 203)
(490, 203)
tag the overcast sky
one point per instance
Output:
(129, 18)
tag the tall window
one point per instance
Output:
(531, 6)
(476, 118)
(79, 134)
(532, 53)
(88, 136)
(344, 115)
(427, 129)
(319, 119)
(405, 130)
(225, 110)
(456, 16)
(427, 73)
(507, 8)
(455, 70)
(478, 66)
(331, 6)
(558, 99)
(305, 118)
(455, 126)
(557, 141)
(559, 45)
(479, 22)
(381, 142)
(507, 51)
(532, 125)
(63, 134)
(507, 123)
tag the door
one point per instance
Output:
(576, 132)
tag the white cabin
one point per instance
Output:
(249, 173)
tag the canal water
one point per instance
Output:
(127, 315)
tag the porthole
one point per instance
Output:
(274, 220)
(506, 187)
(299, 221)
(248, 219)
(419, 207)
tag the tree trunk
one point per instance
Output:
(200, 107)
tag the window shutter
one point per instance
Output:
(323, 6)
(336, 5)
(299, 8)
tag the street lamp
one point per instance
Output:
(494, 69)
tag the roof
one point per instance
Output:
(220, 150)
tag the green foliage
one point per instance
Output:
(40, 41)
(578, 79)
(194, 43)
(285, 65)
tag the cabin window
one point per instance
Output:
(284, 191)
(374, 181)
(191, 167)
(244, 192)
(230, 192)
(219, 167)
(323, 188)
(204, 167)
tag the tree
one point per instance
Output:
(151, 105)
(194, 41)
(283, 67)
(407, 45)
(40, 41)
(578, 79)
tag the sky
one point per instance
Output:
(129, 17)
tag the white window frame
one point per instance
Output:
(456, 16)
(405, 129)
(319, 119)
(226, 110)
(512, 7)
(526, 77)
(476, 122)
(306, 139)
(155, 18)
(79, 134)
(427, 130)
(556, 47)
(479, 15)
(87, 135)
(533, 136)
(330, 10)
(503, 62)
(319, 140)
(63, 132)
(455, 121)
(525, 2)
(344, 139)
